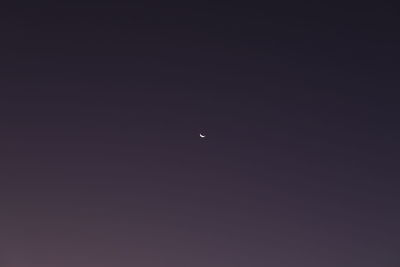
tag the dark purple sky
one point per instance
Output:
(101, 161)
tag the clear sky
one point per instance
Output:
(101, 107)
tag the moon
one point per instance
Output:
(202, 135)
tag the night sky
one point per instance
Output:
(101, 108)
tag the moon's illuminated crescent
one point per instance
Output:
(202, 135)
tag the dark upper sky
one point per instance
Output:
(101, 161)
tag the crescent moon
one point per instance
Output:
(202, 135)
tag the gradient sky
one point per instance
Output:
(101, 162)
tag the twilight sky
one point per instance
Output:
(101, 107)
